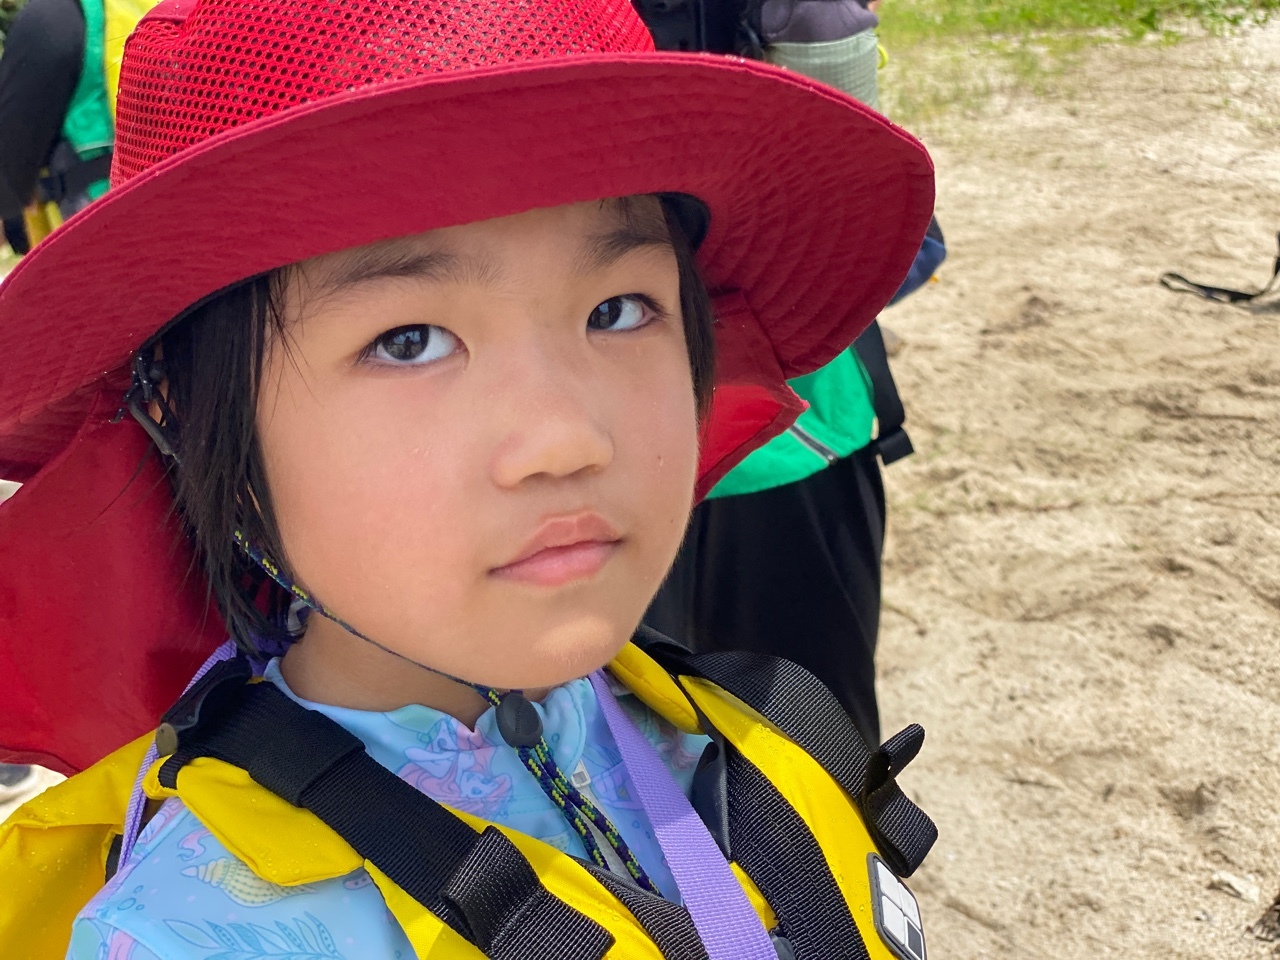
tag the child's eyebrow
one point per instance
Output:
(605, 249)
(393, 263)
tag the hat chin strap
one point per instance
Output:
(272, 570)
(520, 726)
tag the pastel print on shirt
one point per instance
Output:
(456, 768)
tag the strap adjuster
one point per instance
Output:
(204, 699)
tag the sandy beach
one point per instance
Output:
(1083, 577)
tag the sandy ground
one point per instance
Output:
(1083, 579)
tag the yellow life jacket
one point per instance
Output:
(798, 838)
(121, 17)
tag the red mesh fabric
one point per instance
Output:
(194, 70)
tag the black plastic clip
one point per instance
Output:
(205, 698)
(148, 374)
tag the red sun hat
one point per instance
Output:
(253, 134)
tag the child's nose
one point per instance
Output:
(551, 428)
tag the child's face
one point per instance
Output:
(481, 441)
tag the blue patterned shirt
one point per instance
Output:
(183, 896)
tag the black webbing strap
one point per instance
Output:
(511, 915)
(478, 883)
(669, 925)
(892, 442)
(778, 851)
(1180, 284)
(800, 706)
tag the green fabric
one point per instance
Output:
(841, 417)
(88, 126)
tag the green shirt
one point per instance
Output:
(840, 420)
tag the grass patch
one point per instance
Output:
(907, 22)
(950, 55)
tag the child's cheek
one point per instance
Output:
(668, 459)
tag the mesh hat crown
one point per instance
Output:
(194, 70)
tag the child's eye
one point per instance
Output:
(622, 313)
(417, 344)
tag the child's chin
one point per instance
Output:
(560, 657)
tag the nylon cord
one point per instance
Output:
(577, 810)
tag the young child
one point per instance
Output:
(404, 297)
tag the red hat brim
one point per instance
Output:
(817, 205)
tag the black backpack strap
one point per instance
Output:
(803, 708)
(779, 852)
(478, 883)
(1180, 284)
(892, 442)
(757, 828)
(113, 857)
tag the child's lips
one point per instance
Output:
(564, 548)
(557, 566)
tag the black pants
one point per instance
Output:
(793, 572)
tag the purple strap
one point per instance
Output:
(729, 926)
(138, 799)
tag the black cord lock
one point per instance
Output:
(148, 374)
(518, 720)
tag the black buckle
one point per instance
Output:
(205, 699)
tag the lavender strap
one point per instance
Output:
(727, 923)
(138, 799)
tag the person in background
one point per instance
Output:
(784, 556)
(58, 79)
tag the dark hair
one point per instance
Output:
(213, 359)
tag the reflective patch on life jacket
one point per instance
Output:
(896, 911)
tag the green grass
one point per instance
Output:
(906, 22)
(957, 55)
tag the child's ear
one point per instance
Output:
(751, 402)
